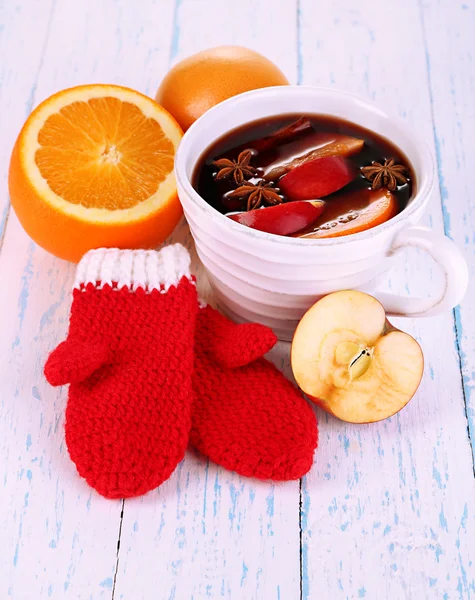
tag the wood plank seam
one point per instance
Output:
(299, 43)
(118, 549)
(447, 230)
(465, 387)
(174, 44)
(471, 440)
(4, 223)
(302, 558)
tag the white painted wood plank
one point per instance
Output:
(56, 534)
(207, 533)
(388, 511)
(451, 65)
(59, 539)
(212, 533)
(24, 31)
(262, 26)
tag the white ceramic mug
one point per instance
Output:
(272, 279)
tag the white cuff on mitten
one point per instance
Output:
(146, 269)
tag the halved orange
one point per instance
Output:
(93, 167)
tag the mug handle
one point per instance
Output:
(449, 258)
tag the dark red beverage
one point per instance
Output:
(359, 178)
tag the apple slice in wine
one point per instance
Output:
(317, 178)
(283, 219)
(327, 144)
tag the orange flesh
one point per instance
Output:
(103, 153)
(371, 209)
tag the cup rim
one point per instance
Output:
(218, 112)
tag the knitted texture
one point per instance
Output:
(250, 418)
(129, 358)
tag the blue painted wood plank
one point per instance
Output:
(389, 511)
(450, 55)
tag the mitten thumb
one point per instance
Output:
(74, 361)
(234, 346)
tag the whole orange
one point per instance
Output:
(203, 80)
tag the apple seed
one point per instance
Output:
(360, 364)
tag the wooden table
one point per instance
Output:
(387, 511)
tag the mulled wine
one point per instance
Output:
(306, 176)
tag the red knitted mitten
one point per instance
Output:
(246, 415)
(129, 359)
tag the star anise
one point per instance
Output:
(257, 194)
(239, 169)
(387, 175)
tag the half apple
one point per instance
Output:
(351, 361)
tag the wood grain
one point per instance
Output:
(388, 511)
